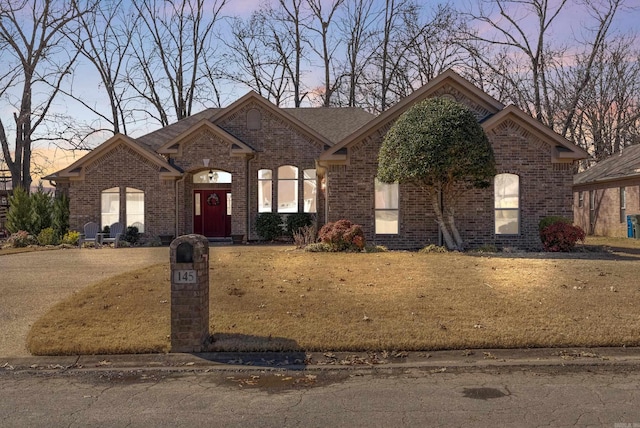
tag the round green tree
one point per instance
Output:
(438, 145)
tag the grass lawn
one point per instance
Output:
(278, 298)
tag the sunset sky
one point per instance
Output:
(571, 26)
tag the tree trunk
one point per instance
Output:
(437, 208)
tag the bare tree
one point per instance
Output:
(171, 41)
(525, 62)
(256, 59)
(357, 29)
(323, 22)
(607, 118)
(510, 32)
(104, 38)
(33, 33)
(286, 24)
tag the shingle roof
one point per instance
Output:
(624, 165)
(332, 123)
(335, 123)
(154, 140)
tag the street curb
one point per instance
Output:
(434, 361)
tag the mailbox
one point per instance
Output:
(189, 256)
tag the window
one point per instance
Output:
(265, 198)
(212, 176)
(110, 206)
(580, 199)
(309, 194)
(135, 208)
(386, 207)
(507, 204)
(229, 200)
(623, 205)
(197, 208)
(287, 189)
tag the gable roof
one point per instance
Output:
(158, 138)
(175, 144)
(76, 169)
(563, 149)
(449, 77)
(253, 97)
(618, 166)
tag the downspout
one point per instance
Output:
(177, 210)
(441, 197)
(246, 191)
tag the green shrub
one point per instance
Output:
(561, 236)
(343, 235)
(269, 226)
(60, 215)
(432, 248)
(131, 235)
(19, 215)
(106, 230)
(47, 236)
(21, 239)
(41, 209)
(71, 238)
(297, 221)
(552, 219)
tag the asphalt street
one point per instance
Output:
(557, 396)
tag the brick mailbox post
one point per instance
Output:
(189, 293)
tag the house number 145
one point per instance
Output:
(184, 276)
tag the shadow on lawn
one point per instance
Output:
(251, 350)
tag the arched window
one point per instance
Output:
(109, 206)
(507, 204)
(386, 207)
(135, 208)
(287, 189)
(212, 176)
(265, 197)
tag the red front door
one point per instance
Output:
(212, 214)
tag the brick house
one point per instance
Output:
(606, 193)
(215, 171)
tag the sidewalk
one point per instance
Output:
(436, 361)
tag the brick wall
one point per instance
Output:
(122, 167)
(606, 213)
(545, 189)
(276, 143)
(206, 145)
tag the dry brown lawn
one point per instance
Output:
(278, 298)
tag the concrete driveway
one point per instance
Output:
(31, 283)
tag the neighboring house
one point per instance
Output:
(606, 193)
(214, 172)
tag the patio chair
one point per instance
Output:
(116, 231)
(91, 234)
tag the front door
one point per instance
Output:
(212, 213)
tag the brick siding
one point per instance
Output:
(545, 189)
(122, 167)
(606, 214)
